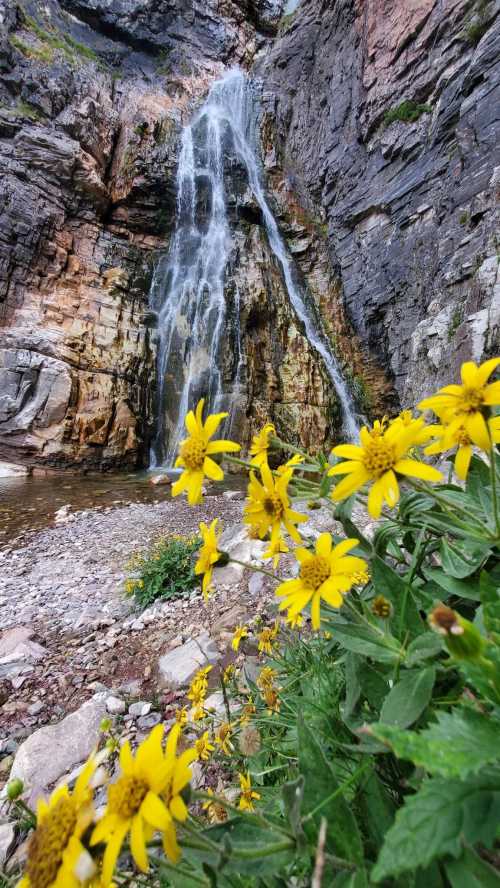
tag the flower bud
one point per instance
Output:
(381, 607)
(462, 639)
(14, 788)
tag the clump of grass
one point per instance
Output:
(164, 572)
(43, 53)
(456, 320)
(406, 112)
(464, 218)
(51, 41)
(22, 109)
(475, 31)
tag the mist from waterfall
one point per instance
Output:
(188, 288)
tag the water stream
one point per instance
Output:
(188, 289)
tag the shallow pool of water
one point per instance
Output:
(28, 503)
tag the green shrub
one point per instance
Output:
(166, 571)
(407, 112)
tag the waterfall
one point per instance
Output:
(188, 287)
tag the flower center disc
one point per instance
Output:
(473, 399)
(273, 506)
(379, 457)
(315, 572)
(49, 842)
(126, 796)
(193, 453)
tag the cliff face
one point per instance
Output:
(385, 117)
(387, 208)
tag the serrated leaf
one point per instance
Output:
(434, 821)
(428, 645)
(343, 837)
(470, 871)
(458, 744)
(460, 560)
(408, 698)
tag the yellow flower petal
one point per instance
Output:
(462, 461)
(415, 469)
(212, 470)
(138, 844)
(155, 812)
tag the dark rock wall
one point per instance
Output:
(411, 205)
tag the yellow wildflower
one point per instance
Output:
(465, 406)
(196, 451)
(247, 793)
(199, 686)
(295, 622)
(268, 506)
(198, 713)
(271, 699)
(291, 463)
(181, 716)
(145, 798)
(229, 673)
(326, 574)
(266, 638)
(361, 577)
(208, 555)
(381, 607)
(239, 633)
(453, 435)
(248, 711)
(277, 547)
(56, 855)
(223, 738)
(266, 677)
(216, 812)
(382, 453)
(260, 445)
(203, 747)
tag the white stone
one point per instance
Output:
(56, 749)
(140, 709)
(26, 651)
(6, 839)
(115, 706)
(177, 667)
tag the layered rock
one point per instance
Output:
(384, 116)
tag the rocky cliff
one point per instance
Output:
(384, 117)
(379, 134)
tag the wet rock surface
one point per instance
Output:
(407, 193)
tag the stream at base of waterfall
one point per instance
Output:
(188, 290)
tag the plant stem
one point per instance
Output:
(255, 568)
(165, 865)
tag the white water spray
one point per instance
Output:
(188, 291)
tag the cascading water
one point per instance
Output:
(188, 289)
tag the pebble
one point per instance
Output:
(115, 706)
(137, 710)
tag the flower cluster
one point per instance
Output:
(197, 693)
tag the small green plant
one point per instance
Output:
(286, 21)
(43, 53)
(22, 109)
(166, 571)
(456, 320)
(80, 48)
(406, 112)
(464, 218)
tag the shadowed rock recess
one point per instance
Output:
(379, 136)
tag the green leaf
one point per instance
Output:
(293, 796)
(360, 639)
(408, 698)
(388, 583)
(343, 837)
(463, 588)
(470, 871)
(435, 820)
(490, 596)
(458, 744)
(377, 810)
(462, 560)
(424, 647)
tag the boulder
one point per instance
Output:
(54, 750)
(177, 667)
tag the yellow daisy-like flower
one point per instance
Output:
(265, 678)
(208, 555)
(196, 451)
(229, 673)
(464, 406)
(260, 445)
(277, 547)
(56, 855)
(247, 711)
(203, 747)
(268, 506)
(181, 716)
(198, 713)
(266, 638)
(223, 738)
(272, 700)
(295, 622)
(382, 454)
(247, 793)
(216, 812)
(328, 573)
(291, 463)
(145, 799)
(453, 435)
(240, 633)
